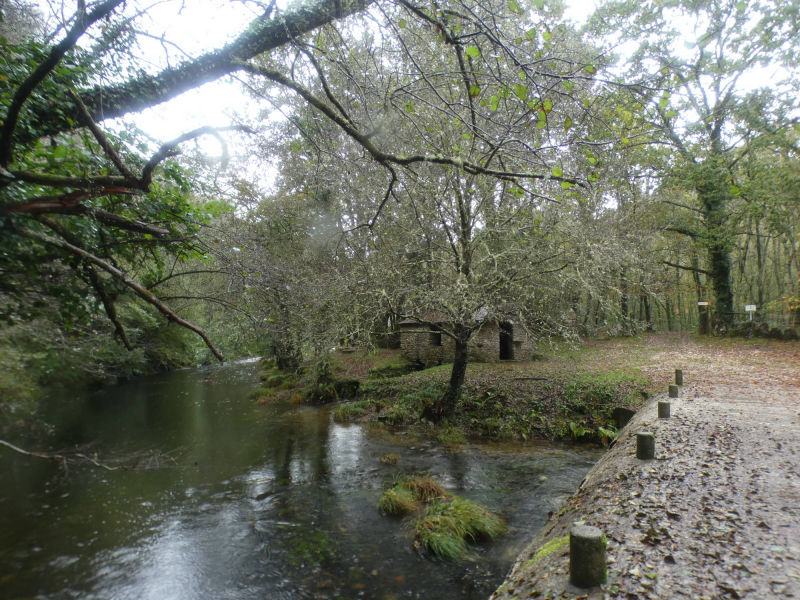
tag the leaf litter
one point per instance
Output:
(716, 515)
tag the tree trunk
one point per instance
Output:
(648, 317)
(712, 190)
(446, 404)
(704, 327)
(668, 313)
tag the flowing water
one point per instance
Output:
(230, 500)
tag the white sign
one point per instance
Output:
(750, 308)
(704, 304)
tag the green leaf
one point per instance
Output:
(568, 85)
(474, 90)
(735, 190)
(547, 36)
(547, 106)
(557, 171)
(493, 101)
(567, 124)
(473, 51)
(514, 6)
(541, 124)
(402, 23)
(530, 35)
(590, 69)
(521, 91)
(517, 192)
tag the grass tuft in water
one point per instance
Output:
(478, 520)
(447, 525)
(350, 411)
(397, 502)
(390, 459)
(442, 534)
(424, 488)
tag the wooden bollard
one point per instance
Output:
(678, 376)
(587, 556)
(645, 445)
(663, 410)
(622, 415)
(674, 390)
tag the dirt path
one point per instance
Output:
(717, 513)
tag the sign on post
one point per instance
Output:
(750, 309)
(704, 304)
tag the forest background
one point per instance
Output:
(473, 159)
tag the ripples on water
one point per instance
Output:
(255, 502)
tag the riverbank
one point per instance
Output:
(567, 394)
(717, 513)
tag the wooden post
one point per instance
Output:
(622, 415)
(645, 445)
(663, 410)
(678, 376)
(587, 556)
(674, 390)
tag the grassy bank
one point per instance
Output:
(550, 399)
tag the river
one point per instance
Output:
(231, 500)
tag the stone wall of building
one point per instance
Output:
(432, 349)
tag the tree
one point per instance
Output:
(83, 203)
(691, 67)
(473, 90)
(470, 116)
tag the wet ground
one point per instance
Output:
(716, 515)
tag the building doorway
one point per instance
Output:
(506, 341)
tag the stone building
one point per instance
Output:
(494, 341)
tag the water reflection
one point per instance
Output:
(260, 502)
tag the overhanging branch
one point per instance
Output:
(139, 289)
(263, 34)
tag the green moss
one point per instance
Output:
(547, 549)
(309, 547)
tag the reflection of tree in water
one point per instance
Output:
(297, 447)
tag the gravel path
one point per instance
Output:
(717, 513)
